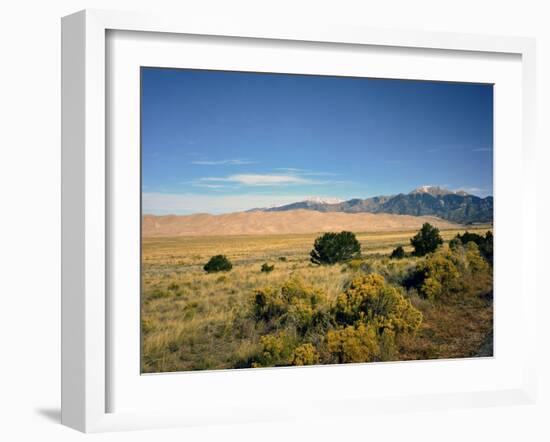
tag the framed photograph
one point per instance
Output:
(264, 222)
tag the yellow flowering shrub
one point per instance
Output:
(353, 344)
(295, 289)
(362, 325)
(453, 269)
(371, 300)
(305, 354)
(442, 273)
(476, 263)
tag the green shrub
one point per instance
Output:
(414, 279)
(426, 240)
(305, 354)
(282, 258)
(332, 248)
(266, 268)
(218, 263)
(467, 237)
(398, 253)
(486, 248)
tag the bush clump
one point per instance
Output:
(426, 240)
(398, 253)
(370, 316)
(268, 304)
(218, 263)
(369, 299)
(294, 306)
(332, 248)
(484, 243)
(451, 270)
(275, 350)
(305, 354)
(353, 344)
(441, 275)
(300, 326)
(266, 268)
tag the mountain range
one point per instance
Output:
(456, 206)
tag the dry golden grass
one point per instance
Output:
(188, 315)
(455, 328)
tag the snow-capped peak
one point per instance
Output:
(438, 191)
(320, 200)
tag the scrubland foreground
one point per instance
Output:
(276, 308)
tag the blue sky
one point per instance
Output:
(220, 142)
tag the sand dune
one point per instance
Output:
(293, 221)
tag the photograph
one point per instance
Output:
(300, 220)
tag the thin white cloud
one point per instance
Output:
(234, 162)
(260, 179)
(304, 172)
(291, 169)
(458, 147)
(209, 186)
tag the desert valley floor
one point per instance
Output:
(192, 320)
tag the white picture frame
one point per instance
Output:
(86, 317)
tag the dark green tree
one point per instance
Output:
(267, 268)
(335, 247)
(426, 240)
(398, 253)
(218, 263)
(486, 248)
(466, 237)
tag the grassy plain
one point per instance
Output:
(188, 316)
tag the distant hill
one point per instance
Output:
(459, 207)
(283, 222)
